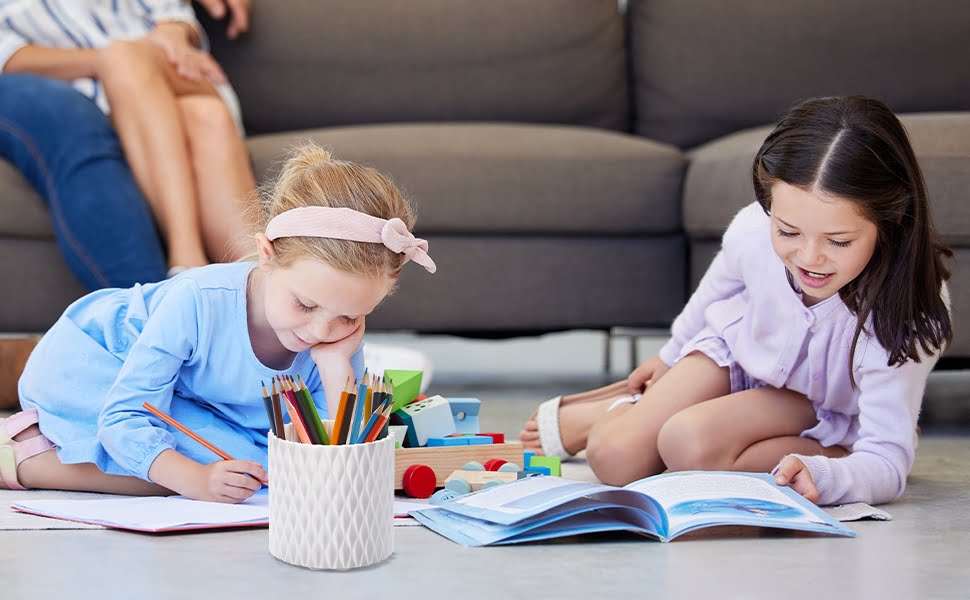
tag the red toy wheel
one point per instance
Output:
(419, 481)
(494, 463)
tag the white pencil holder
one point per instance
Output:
(331, 507)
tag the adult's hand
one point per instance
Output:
(238, 14)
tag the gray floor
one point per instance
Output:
(916, 555)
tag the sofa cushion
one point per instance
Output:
(22, 211)
(706, 68)
(343, 62)
(718, 180)
(511, 179)
(502, 285)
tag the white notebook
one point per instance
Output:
(156, 514)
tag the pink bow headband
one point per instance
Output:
(349, 224)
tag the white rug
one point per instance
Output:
(13, 520)
(573, 469)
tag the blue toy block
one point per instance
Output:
(542, 470)
(527, 458)
(447, 441)
(465, 413)
(428, 418)
(460, 440)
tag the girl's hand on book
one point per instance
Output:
(231, 481)
(646, 374)
(793, 473)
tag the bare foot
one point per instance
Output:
(575, 421)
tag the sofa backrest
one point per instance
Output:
(314, 63)
(704, 68)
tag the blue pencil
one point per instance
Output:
(369, 425)
(358, 417)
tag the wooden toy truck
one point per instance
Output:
(444, 460)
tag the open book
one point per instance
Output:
(661, 507)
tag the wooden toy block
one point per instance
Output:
(460, 440)
(447, 441)
(550, 462)
(479, 478)
(425, 419)
(465, 413)
(445, 459)
(407, 386)
(497, 438)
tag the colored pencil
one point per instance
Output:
(389, 400)
(303, 391)
(347, 416)
(267, 404)
(368, 425)
(339, 417)
(155, 411)
(313, 431)
(277, 412)
(368, 396)
(379, 425)
(295, 416)
(358, 418)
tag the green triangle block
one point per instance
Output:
(407, 386)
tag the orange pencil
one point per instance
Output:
(368, 406)
(381, 420)
(150, 408)
(339, 417)
(297, 420)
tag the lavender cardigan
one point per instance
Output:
(745, 299)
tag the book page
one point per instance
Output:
(698, 499)
(560, 522)
(154, 513)
(520, 500)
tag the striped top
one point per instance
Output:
(84, 24)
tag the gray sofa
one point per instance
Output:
(573, 163)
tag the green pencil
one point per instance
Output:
(303, 391)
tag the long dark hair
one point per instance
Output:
(855, 148)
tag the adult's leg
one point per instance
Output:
(185, 148)
(138, 82)
(223, 176)
(66, 147)
(622, 445)
(746, 431)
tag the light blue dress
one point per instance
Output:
(182, 345)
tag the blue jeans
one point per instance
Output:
(68, 150)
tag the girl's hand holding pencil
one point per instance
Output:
(227, 480)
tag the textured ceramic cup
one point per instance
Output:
(331, 507)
